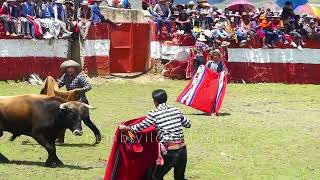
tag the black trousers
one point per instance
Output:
(198, 62)
(176, 159)
(87, 121)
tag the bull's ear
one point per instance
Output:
(63, 106)
(88, 106)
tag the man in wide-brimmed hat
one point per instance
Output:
(73, 79)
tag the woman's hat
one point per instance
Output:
(244, 14)
(69, 2)
(202, 38)
(191, 3)
(84, 3)
(176, 13)
(69, 63)
(206, 4)
(59, 1)
(11, 0)
(203, 12)
(180, 5)
(225, 43)
(202, 1)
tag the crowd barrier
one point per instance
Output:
(251, 63)
(132, 46)
(21, 57)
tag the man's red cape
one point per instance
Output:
(124, 164)
(205, 91)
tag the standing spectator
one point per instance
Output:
(28, 9)
(162, 13)
(85, 16)
(9, 17)
(287, 16)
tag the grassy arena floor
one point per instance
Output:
(268, 131)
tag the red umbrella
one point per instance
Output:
(241, 6)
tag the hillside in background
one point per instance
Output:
(265, 3)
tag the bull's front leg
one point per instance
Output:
(53, 160)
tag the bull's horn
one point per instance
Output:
(63, 106)
(87, 106)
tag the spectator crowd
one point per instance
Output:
(212, 25)
(50, 19)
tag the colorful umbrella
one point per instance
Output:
(241, 6)
(295, 3)
(310, 9)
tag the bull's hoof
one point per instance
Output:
(54, 164)
(1, 133)
(3, 159)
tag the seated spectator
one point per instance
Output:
(28, 10)
(315, 30)
(267, 25)
(183, 23)
(295, 32)
(180, 7)
(196, 30)
(244, 30)
(162, 13)
(205, 23)
(9, 17)
(219, 32)
(85, 16)
(47, 20)
(69, 15)
(60, 18)
(38, 8)
(193, 17)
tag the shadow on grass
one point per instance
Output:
(75, 145)
(33, 163)
(63, 145)
(205, 114)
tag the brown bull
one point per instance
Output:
(41, 117)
